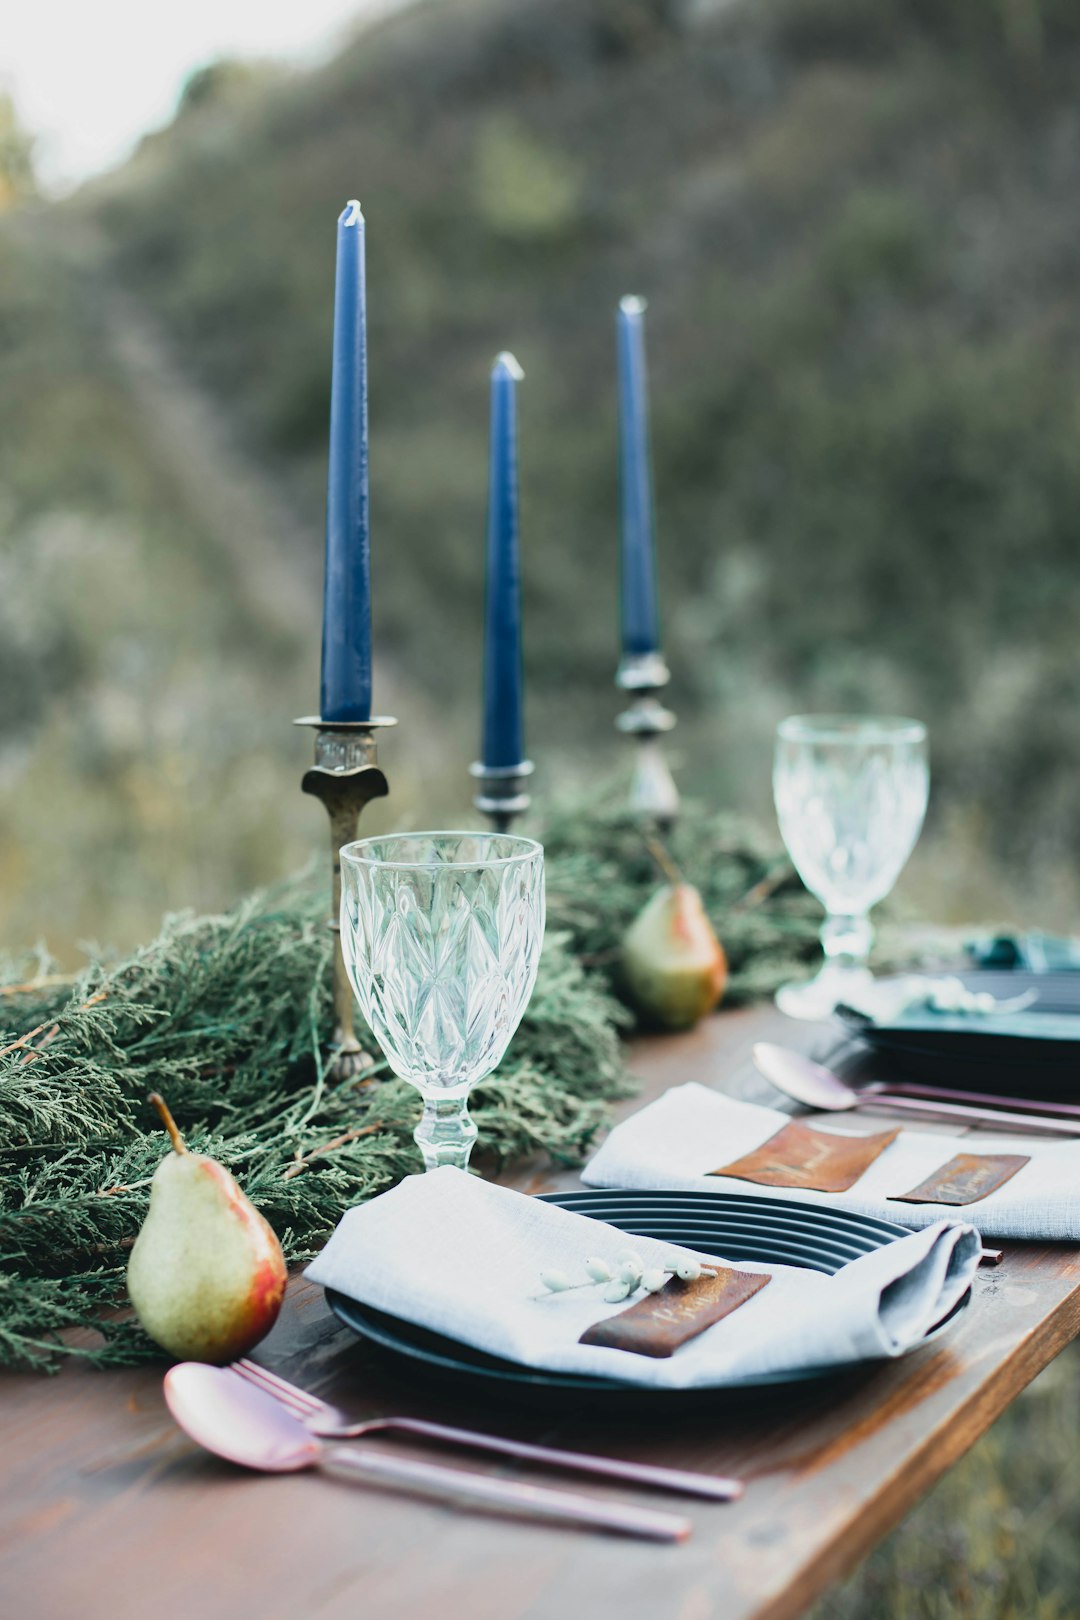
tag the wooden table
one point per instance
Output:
(109, 1513)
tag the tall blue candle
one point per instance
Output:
(503, 728)
(640, 622)
(346, 644)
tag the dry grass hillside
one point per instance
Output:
(855, 223)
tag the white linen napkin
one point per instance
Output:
(690, 1130)
(463, 1257)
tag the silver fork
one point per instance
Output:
(329, 1423)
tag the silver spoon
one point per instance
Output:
(246, 1426)
(811, 1083)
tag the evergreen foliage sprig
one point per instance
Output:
(229, 1016)
(600, 872)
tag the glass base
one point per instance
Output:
(818, 998)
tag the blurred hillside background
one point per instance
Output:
(855, 222)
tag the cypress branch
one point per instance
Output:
(229, 1016)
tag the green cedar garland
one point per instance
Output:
(600, 874)
(228, 1015)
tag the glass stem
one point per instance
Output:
(446, 1132)
(846, 939)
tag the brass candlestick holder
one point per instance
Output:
(346, 775)
(501, 796)
(653, 794)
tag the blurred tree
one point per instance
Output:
(222, 82)
(17, 181)
(524, 189)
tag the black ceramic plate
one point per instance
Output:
(1031, 1053)
(767, 1231)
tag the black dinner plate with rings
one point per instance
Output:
(736, 1227)
(1032, 1052)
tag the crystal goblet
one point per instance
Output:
(441, 935)
(850, 797)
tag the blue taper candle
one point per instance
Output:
(346, 644)
(503, 726)
(640, 623)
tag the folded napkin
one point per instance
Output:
(889, 1001)
(689, 1131)
(463, 1257)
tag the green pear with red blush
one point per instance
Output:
(674, 967)
(206, 1275)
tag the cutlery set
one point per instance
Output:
(812, 1084)
(256, 1419)
(328, 1423)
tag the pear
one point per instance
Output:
(206, 1275)
(674, 966)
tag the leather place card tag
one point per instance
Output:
(658, 1324)
(965, 1179)
(799, 1156)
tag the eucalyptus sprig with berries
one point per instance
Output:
(624, 1276)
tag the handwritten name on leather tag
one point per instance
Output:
(660, 1323)
(965, 1179)
(799, 1156)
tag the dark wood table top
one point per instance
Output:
(108, 1512)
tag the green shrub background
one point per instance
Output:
(855, 224)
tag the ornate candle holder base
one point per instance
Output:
(501, 796)
(653, 794)
(345, 776)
